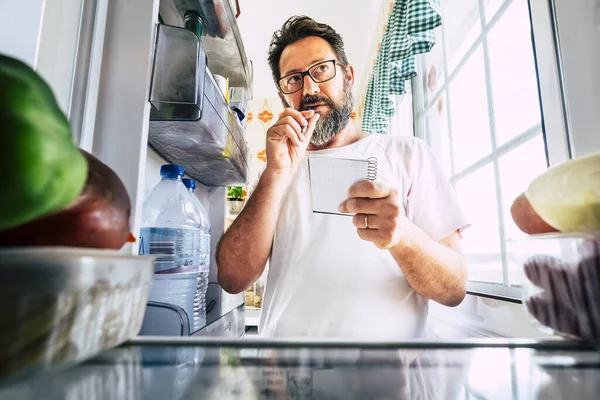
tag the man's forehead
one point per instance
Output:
(300, 55)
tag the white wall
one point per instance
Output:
(44, 35)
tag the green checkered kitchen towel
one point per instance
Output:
(409, 32)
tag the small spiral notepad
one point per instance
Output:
(330, 179)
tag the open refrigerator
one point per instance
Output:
(99, 56)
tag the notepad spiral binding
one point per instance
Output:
(372, 169)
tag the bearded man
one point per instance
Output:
(366, 277)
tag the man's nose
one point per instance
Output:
(310, 86)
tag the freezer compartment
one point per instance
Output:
(64, 305)
(191, 123)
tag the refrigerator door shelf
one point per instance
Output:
(221, 38)
(191, 123)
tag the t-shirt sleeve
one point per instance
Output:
(432, 202)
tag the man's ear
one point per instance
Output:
(349, 70)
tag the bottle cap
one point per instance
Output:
(189, 183)
(171, 171)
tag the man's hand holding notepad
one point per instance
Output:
(331, 178)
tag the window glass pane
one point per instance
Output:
(469, 117)
(512, 71)
(492, 7)
(433, 73)
(517, 169)
(481, 241)
(462, 25)
(437, 128)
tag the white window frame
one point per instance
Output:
(396, 125)
(554, 126)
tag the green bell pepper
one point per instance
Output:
(42, 169)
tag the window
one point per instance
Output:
(401, 123)
(481, 116)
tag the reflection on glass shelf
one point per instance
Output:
(469, 117)
(491, 379)
(513, 75)
(154, 369)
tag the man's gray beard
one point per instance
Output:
(330, 125)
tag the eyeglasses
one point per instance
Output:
(319, 73)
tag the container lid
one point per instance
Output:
(189, 183)
(171, 171)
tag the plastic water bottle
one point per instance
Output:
(170, 231)
(204, 257)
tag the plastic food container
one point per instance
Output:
(562, 292)
(62, 305)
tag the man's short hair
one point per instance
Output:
(300, 27)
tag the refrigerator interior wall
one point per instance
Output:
(63, 41)
(123, 111)
(15, 41)
(44, 35)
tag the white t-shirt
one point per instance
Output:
(324, 281)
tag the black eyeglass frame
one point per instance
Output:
(307, 72)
